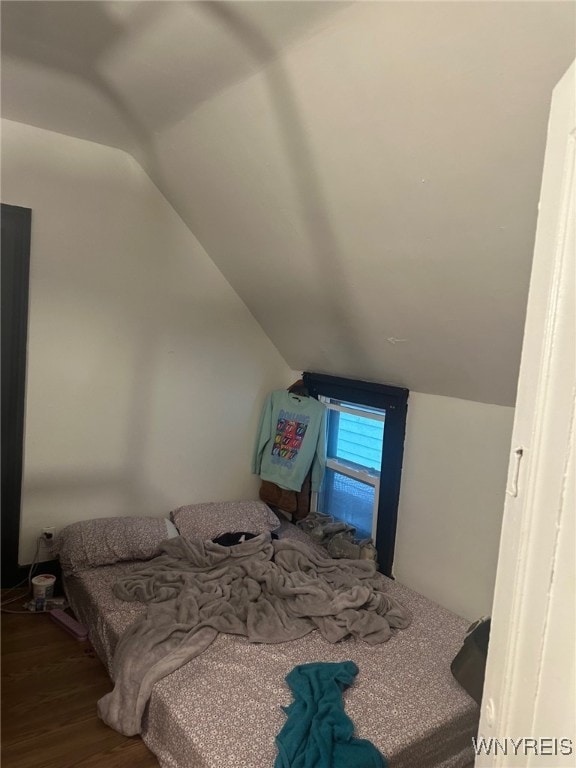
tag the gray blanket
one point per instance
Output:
(268, 591)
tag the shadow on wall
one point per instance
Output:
(56, 47)
(53, 43)
(91, 494)
(128, 488)
(335, 298)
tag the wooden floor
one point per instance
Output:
(50, 686)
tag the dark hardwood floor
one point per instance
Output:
(50, 686)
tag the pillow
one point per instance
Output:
(212, 519)
(103, 541)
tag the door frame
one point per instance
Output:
(533, 625)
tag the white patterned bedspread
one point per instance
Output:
(223, 708)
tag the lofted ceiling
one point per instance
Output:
(366, 175)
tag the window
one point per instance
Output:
(351, 487)
(365, 442)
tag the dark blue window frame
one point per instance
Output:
(393, 400)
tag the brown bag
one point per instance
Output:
(303, 500)
(271, 494)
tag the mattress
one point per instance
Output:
(223, 708)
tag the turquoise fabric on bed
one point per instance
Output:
(318, 733)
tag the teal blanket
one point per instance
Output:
(318, 733)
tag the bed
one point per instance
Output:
(222, 709)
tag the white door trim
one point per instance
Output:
(535, 545)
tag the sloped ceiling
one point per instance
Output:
(366, 175)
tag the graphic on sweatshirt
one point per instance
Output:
(290, 431)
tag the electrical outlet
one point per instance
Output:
(48, 533)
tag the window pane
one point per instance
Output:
(348, 500)
(356, 439)
(357, 407)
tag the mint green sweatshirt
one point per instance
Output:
(291, 438)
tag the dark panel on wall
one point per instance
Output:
(16, 223)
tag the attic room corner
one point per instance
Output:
(136, 344)
(204, 202)
(284, 246)
(130, 354)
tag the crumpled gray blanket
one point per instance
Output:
(268, 591)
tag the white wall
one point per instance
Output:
(146, 371)
(362, 177)
(452, 499)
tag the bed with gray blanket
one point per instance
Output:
(200, 639)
